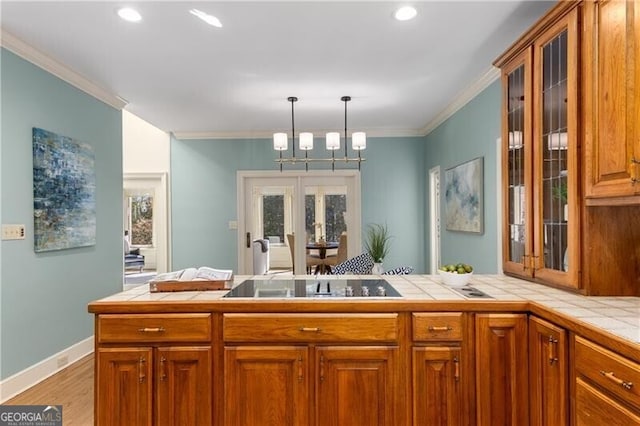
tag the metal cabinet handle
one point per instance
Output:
(141, 375)
(456, 373)
(435, 329)
(635, 162)
(314, 329)
(163, 369)
(609, 375)
(553, 357)
(151, 330)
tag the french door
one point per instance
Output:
(307, 205)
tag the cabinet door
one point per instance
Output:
(356, 386)
(517, 165)
(556, 201)
(266, 386)
(123, 387)
(501, 370)
(547, 373)
(612, 40)
(437, 388)
(183, 386)
(594, 408)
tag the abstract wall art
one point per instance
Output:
(64, 185)
(464, 197)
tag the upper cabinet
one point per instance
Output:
(540, 154)
(571, 149)
(611, 87)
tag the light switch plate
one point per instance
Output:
(13, 232)
(233, 224)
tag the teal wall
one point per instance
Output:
(45, 295)
(203, 186)
(469, 133)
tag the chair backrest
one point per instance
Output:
(342, 248)
(290, 241)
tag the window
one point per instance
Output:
(141, 220)
(273, 216)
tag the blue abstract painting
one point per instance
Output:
(64, 186)
(463, 197)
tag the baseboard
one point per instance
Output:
(23, 380)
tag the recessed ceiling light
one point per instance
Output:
(209, 19)
(405, 13)
(129, 14)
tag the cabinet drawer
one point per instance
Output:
(117, 328)
(593, 408)
(613, 372)
(310, 327)
(437, 326)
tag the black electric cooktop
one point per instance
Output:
(317, 288)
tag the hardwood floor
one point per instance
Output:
(72, 388)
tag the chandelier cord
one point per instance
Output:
(293, 127)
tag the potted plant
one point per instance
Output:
(377, 242)
(560, 193)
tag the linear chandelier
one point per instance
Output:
(280, 143)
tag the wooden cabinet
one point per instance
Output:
(501, 370)
(606, 386)
(548, 374)
(342, 369)
(269, 385)
(540, 154)
(571, 149)
(440, 369)
(611, 66)
(124, 388)
(356, 386)
(148, 374)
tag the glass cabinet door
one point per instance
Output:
(555, 165)
(516, 164)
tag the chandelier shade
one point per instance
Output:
(359, 141)
(280, 141)
(333, 141)
(305, 143)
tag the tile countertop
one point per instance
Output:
(620, 316)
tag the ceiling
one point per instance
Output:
(184, 76)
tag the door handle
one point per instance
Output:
(248, 239)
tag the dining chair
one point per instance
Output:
(333, 259)
(312, 261)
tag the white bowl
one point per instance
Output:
(455, 280)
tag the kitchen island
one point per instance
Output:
(530, 354)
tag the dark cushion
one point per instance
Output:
(361, 264)
(400, 270)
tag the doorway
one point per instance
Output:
(146, 219)
(307, 206)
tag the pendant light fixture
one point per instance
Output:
(280, 143)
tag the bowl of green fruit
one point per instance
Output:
(456, 274)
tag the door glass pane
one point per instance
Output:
(516, 161)
(273, 217)
(310, 218)
(554, 153)
(335, 208)
(141, 214)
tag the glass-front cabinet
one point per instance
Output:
(517, 164)
(540, 157)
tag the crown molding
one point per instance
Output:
(463, 98)
(372, 133)
(47, 63)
